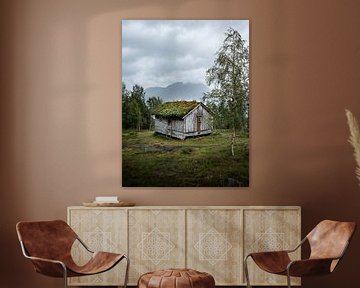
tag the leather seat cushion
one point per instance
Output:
(176, 278)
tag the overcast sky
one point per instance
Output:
(161, 52)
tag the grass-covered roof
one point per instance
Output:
(176, 109)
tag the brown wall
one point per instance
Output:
(60, 113)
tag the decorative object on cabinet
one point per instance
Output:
(354, 140)
(328, 242)
(106, 199)
(176, 278)
(204, 238)
(185, 107)
(109, 204)
(48, 245)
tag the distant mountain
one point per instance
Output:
(178, 91)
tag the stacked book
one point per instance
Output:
(106, 199)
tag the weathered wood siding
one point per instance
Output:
(191, 120)
(161, 125)
(197, 122)
(173, 127)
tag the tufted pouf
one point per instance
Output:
(176, 278)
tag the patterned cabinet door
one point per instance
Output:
(101, 230)
(214, 244)
(156, 240)
(269, 230)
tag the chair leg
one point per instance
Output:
(246, 272)
(126, 271)
(288, 278)
(65, 275)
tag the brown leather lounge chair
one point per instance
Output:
(328, 242)
(48, 245)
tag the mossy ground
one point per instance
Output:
(151, 160)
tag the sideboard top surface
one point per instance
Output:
(193, 207)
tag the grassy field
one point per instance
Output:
(151, 160)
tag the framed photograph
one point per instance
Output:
(185, 103)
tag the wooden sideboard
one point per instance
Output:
(213, 239)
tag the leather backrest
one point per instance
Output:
(329, 238)
(46, 239)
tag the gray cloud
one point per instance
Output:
(161, 52)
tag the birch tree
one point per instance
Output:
(229, 79)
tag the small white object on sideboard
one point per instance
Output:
(212, 239)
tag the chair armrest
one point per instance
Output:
(298, 246)
(45, 260)
(270, 252)
(84, 245)
(309, 267)
(280, 251)
(271, 261)
(48, 267)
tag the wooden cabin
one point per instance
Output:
(182, 119)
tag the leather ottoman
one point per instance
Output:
(176, 278)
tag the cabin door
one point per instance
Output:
(198, 123)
